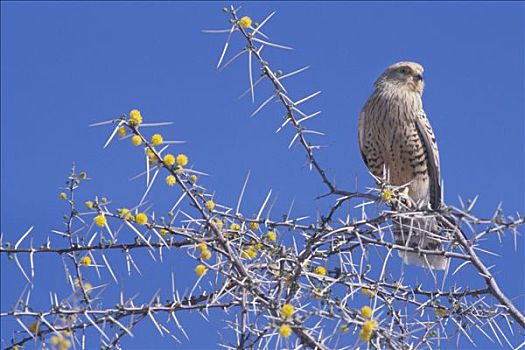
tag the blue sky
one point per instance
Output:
(66, 65)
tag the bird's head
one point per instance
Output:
(408, 75)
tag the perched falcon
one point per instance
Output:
(395, 137)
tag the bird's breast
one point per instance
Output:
(390, 137)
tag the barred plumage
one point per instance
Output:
(395, 134)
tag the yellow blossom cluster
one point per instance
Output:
(366, 311)
(271, 236)
(287, 311)
(85, 260)
(89, 204)
(136, 140)
(387, 195)
(150, 154)
(285, 330)
(254, 225)
(135, 118)
(169, 159)
(122, 131)
(171, 180)
(368, 328)
(205, 253)
(249, 253)
(182, 160)
(100, 220)
(367, 292)
(60, 342)
(200, 270)
(62, 195)
(320, 270)
(125, 214)
(141, 219)
(157, 139)
(210, 205)
(87, 285)
(245, 22)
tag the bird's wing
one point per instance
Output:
(361, 135)
(429, 141)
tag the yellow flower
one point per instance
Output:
(202, 246)
(122, 131)
(218, 223)
(157, 139)
(320, 270)
(245, 22)
(365, 336)
(254, 226)
(100, 220)
(55, 340)
(89, 204)
(136, 140)
(86, 260)
(182, 160)
(193, 178)
(169, 159)
(344, 328)
(210, 205)
(285, 330)
(205, 254)
(367, 292)
(34, 328)
(171, 180)
(287, 311)
(235, 227)
(366, 311)
(369, 326)
(87, 287)
(150, 153)
(163, 232)
(82, 175)
(387, 195)
(440, 311)
(135, 118)
(200, 270)
(271, 236)
(141, 219)
(62, 195)
(249, 253)
(125, 214)
(66, 344)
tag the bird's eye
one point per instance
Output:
(404, 70)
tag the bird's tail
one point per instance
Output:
(419, 232)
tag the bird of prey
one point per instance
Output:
(396, 140)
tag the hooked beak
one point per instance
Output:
(418, 77)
